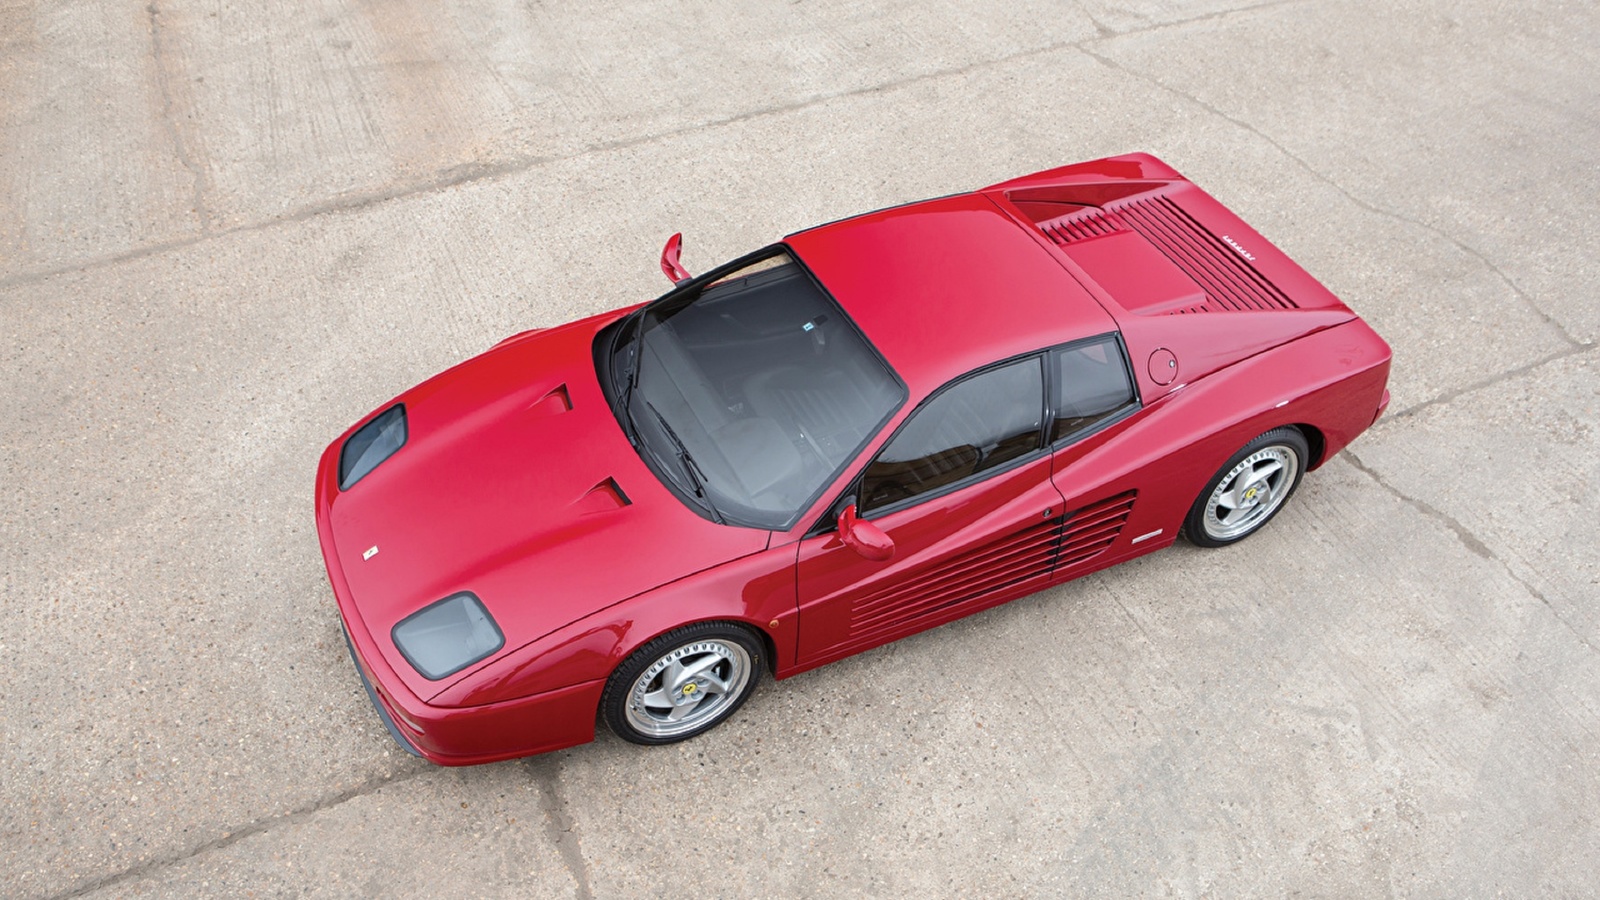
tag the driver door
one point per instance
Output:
(963, 490)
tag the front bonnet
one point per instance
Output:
(516, 484)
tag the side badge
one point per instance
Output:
(371, 552)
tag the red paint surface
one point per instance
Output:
(517, 484)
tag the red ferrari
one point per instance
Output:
(868, 429)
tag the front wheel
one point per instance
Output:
(682, 683)
(1249, 489)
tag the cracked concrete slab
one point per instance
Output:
(200, 385)
(1387, 692)
(463, 835)
(1515, 464)
(270, 110)
(1124, 16)
(1251, 721)
(1476, 121)
(89, 165)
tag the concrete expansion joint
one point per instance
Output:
(234, 836)
(546, 774)
(472, 172)
(1469, 540)
(180, 146)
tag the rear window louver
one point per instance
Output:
(1229, 281)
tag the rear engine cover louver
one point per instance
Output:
(1229, 281)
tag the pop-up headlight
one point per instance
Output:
(446, 637)
(372, 443)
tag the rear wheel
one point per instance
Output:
(1249, 489)
(682, 683)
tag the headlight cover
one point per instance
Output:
(372, 443)
(445, 637)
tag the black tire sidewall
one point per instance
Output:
(613, 702)
(1194, 524)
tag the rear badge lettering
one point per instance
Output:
(371, 552)
(1242, 252)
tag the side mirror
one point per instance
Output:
(669, 260)
(864, 537)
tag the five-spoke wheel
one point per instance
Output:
(682, 683)
(1249, 489)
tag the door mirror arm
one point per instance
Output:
(863, 537)
(670, 266)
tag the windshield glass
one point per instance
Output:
(751, 392)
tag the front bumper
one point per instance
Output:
(372, 695)
(466, 736)
(452, 736)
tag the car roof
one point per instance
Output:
(946, 286)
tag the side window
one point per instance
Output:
(1091, 386)
(978, 424)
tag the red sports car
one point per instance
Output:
(865, 430)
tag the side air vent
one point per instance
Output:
(1090, 531)
(1016, 557)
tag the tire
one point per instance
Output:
(1249, 489)
(683, 683)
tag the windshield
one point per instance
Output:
(751, 392)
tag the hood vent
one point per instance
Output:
(1229, 281)
(607, 496)
(554, 403)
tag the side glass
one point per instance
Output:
(1093, 385)
(976, 425)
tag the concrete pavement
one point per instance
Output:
(228, 231)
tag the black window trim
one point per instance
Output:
(1052, 389)
(853, 489)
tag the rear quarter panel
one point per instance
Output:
(1331, 381)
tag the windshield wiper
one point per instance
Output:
(690, 468)
(625, 396)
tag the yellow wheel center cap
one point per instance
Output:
(1250, 494)
(690, 688)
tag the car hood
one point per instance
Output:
(515, 483)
